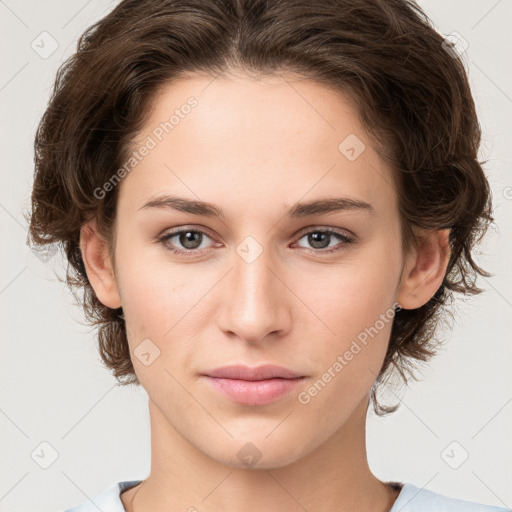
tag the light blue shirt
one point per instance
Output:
(410, 499)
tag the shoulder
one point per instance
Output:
(417, 499)
(108, 501)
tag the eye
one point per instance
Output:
(190, 239)
(320, 240)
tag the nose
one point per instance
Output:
(255, 300)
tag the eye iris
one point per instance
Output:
(187, 237)
(317, 239)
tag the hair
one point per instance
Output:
(408, 85)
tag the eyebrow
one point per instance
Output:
(299, 210)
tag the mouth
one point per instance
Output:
(253, 392)
(253, 386)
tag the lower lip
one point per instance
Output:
(254, 392)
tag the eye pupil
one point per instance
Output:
(317, 239)
(187, 237)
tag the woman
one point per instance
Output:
(267, 205)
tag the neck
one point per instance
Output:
(335, 476)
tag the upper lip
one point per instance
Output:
(242, 372)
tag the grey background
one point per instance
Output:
(54, 389)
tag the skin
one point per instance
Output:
(255, 148)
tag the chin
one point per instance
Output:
(260, 452)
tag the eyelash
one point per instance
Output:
(344, 239)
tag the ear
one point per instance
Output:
(98, 266)
(424, 269)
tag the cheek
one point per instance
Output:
(153, 296)
(153, 304)
(344, 300)
(349, 360)
(353, 308)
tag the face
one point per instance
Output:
(269, 281)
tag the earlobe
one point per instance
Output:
(424, 269)
(98, 266)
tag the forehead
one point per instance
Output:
(272, 140)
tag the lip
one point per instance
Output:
(242, 372)
(253, 386)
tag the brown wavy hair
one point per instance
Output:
(408, 84)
